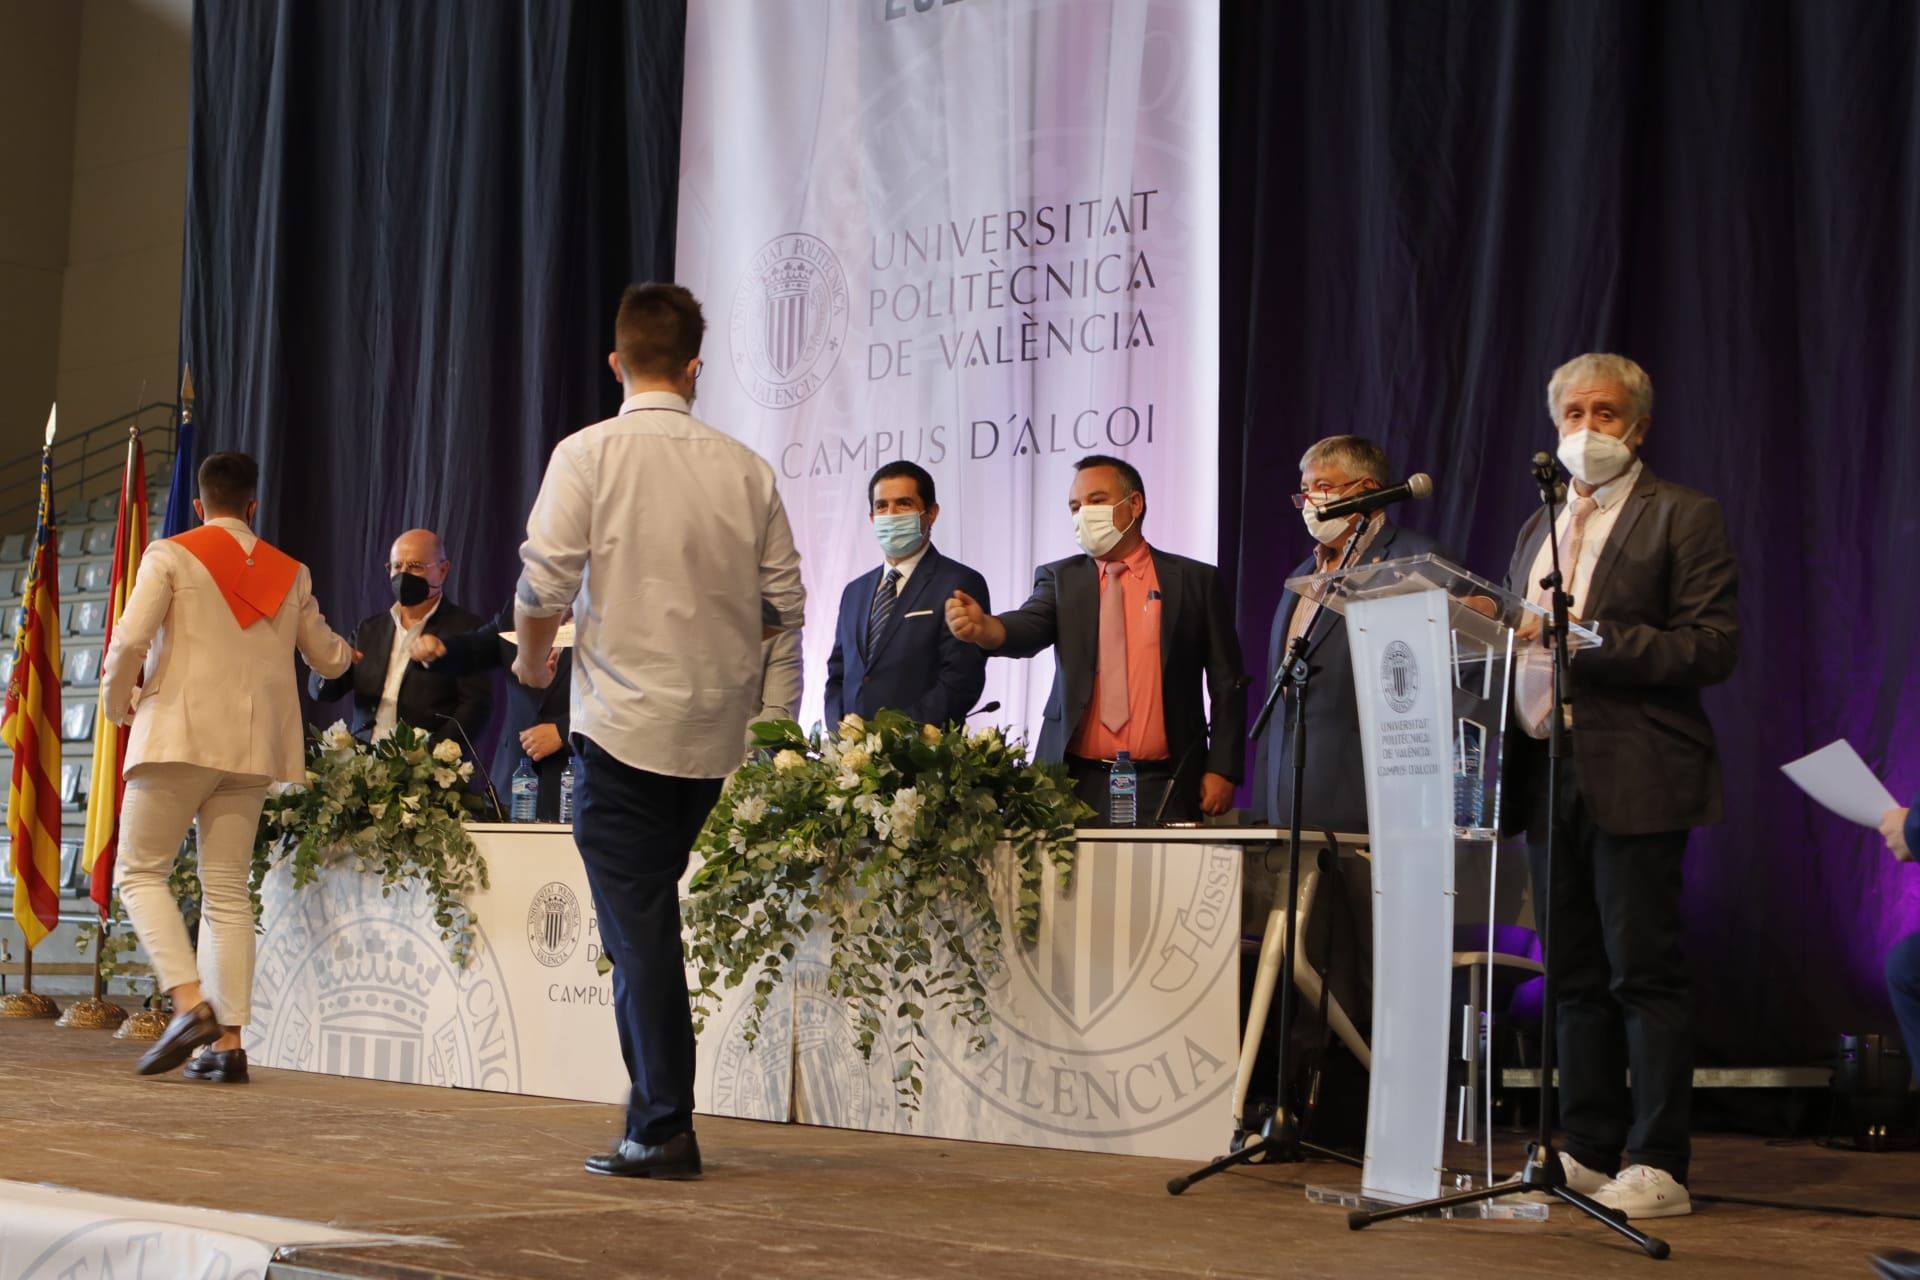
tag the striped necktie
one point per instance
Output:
(881, 613)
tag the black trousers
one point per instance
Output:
(1156, 781)
(635, 831)
(1625, 996)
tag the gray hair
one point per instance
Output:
(1357, 455)
(1630, 377)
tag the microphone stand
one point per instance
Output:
(1280, 1140)
(499, 814)
(1543, 1171)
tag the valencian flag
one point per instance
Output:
(110, 739)
(32, 729)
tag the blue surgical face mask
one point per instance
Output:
(899, 535)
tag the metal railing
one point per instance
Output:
(86, 464)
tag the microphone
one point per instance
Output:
(1418, 486)
(1545, 474)
(499, 813)
(1234, 690)
(983, 708)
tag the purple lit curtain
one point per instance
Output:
(1428, 206)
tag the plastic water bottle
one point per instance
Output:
(526, 791)
(566, 793)
(1123, 789)
(1469, 795)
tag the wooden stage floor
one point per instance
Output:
(498, 1179)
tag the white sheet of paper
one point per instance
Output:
(1838, 778)
(562, 639)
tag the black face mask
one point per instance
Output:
(410, 589)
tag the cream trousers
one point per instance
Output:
(162, 801)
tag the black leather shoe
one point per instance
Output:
(221, 1066)
(187, 1032)
(1897, 1264)
(677, 1159)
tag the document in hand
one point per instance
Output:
(562, 639)
(1838, 778)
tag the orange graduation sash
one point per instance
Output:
(255, 583)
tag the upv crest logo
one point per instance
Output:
(1097, 1027)
(789, 321)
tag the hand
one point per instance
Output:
(426, 649)
(534, 675)
(357, 655)
(1216, 794)
(541, 741)
(969, 622)
(1482, 605)
(1893, 825)
(553, 663)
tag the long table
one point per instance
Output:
(1117, 1031)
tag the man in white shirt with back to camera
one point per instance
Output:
(668, 539)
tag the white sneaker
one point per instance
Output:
(1642, 1191)
(1579, 1178)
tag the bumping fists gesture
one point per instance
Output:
(969, 622)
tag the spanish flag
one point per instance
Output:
(110, 739)
(32, 729)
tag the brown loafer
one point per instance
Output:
(187, 1032)
(221, 1066)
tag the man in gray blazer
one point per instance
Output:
(1650, 567)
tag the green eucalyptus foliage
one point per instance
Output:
(396, 808)
(884, 834)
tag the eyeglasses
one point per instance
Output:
(417, 567)
(1321, 496)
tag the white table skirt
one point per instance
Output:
(1116, 1032)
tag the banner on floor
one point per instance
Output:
(978, 235)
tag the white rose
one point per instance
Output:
(445, 778)
(446, 751)
(851, 725)
(930, 734)
(789, 760)
(855, 760)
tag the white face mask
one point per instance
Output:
(1094, 530)
(1594, 457)
(1328, 532)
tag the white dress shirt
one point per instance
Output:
(666, 537)
(397, 657)
(906, 567)
(1608, 499)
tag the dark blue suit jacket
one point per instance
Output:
(1335, 786)
(920, 668)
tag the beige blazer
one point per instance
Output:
(214, 695)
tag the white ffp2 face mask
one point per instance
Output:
(1094, 530)
(1327, 532)
(1594, 457)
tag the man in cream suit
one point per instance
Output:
(212, 624)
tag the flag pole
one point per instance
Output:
(28, 1003)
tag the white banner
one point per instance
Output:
(980, 235)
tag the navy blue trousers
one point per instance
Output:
(1903, 984)
(635, 831)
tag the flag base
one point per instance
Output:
(92, 1015)
(142, 1024)
(27, 1004)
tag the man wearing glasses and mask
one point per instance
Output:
(1334, 797)
(387, 689)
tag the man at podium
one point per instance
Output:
(1335, 785)
(1650, 568)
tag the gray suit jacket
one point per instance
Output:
(1198, 645)
(1665, 604)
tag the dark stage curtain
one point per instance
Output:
(1429, 206)
(408, 226)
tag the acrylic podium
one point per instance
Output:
(1434, 649)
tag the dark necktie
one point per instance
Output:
(884, 598)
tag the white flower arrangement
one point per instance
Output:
(884, 833)
(397, 808)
